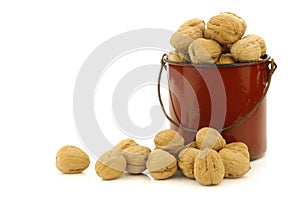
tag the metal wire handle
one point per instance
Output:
(242, 120)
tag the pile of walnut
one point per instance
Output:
(221, 41)
(208, 159)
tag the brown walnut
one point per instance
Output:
(187, 33)
(170, 141)
(111, 165)
(208, 167)
(226, 28)
(209, 138)
(136, 157)
(186, 160)
(246, 50)
(71, 160)
(235, 163)
(161, 164)
(204, 51)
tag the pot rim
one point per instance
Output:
(264, 59)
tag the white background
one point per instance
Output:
(42, 47)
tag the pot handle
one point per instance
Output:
(237, 123)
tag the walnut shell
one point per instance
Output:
(225, 59)
(209, 138)
(161, 164)
(135, 169)
(124, 144)
(260, 41)
(246, 50)
(208, 167)
(174, 56)
(235, 163)
(111, 165)
(204, 51)
(195, 23)
(239, 146)
(71, 160)
(192, 144)
(206, 34)
(226, 28)
(136, 157)
(186, 34)
(186, 160)
(170, 141)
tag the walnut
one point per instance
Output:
(226, 28)
(260, 41)
(71, 160)
(186, 33)
(161, 164)
(204, 51)
(235, 163)
(208, 167)
(136, 157)
(246, 50)
(174, 56)
(209, 138)
(135, 154)
(170, 141)
(110, 165)
(195, 23)
(124, 144)
(225, 59)
(186, 160)
(239, 146)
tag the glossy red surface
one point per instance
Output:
(218, 96)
